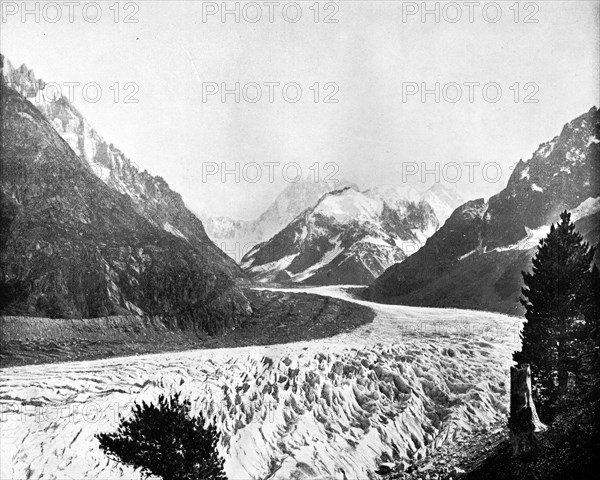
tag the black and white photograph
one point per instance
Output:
(299, 240)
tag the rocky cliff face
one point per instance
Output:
(561, 174)
(151, 196)
(348, 237)
(475, 259)
(73, 246)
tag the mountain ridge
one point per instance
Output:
(475, 260)
(347, 237)
(73, 247)
(238, 237)
(151, 195)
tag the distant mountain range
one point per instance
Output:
(237, 237)
(348, 237)
(84, 234)
(475, 259)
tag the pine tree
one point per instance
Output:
(555, 297)
(165, 440)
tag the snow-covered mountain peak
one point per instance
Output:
(349, 205)
(448, 191)
(348, 237)
(395, 195)
(237, 237)
(296, 197)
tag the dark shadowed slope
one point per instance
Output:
(150, 195)
(72, 246)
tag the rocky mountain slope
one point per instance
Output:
(151, 196)
(348, 237)
(238, 237)
(475, 259)
(73, 246)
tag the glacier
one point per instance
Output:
(335, 408)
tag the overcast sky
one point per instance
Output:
(366, 60)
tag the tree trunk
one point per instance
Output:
(523, 421)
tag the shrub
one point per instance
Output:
(165, 440)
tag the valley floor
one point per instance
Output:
(400, 387)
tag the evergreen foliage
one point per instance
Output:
(559, 299)
(165, 440)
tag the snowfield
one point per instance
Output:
(329, 409)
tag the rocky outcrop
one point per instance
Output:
(561, 174)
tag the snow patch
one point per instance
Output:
(171, 229)
(547, 149)
(575, 156)
(101, 171)
(530, 240)
(535, 188)
(376, 241)
(468, 254)
(26, 116)
(422, 235)
(325, 260)
(587, 207)
(302, 235)
(275, 266)
(565, 169)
